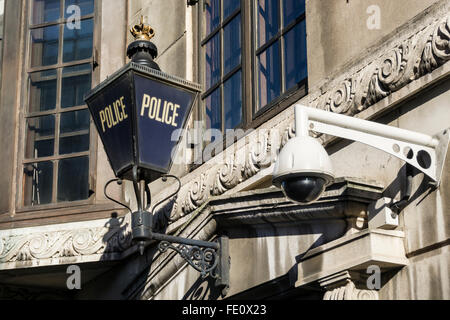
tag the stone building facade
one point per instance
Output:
(370, 59)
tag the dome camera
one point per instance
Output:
(303, 170)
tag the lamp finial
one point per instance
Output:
(142, 31)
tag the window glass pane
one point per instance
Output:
(86, 7)
(269, 75)
(229, 6)
(38, 183)
(212, 15)
(78, 42)
(42, 91)
(40, 137)
(295, 55)
(74, 132)
(213, 112)
(212, 61)
(45, 11)
(73, 179)
(232, 91)
(44, 46)
(232, 44)
(292, 10)
(76, 82)
(267, 20)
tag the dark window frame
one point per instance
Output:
(219, 30)
(253, 117)
(58, 111)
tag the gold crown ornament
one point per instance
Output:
(142, 31)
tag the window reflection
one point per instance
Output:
(86, 7)
(295, 55)
(212, 15)
(45, 11)
(42, 91)
(267, 20)
(232, 44)
(78, 42)
(229, 6)
(73, 179)
(75, 83)
(213, 112)
(212, 61)
(233, 101)
(269, 74)
(74, 132)
(44, 46)
(38, 183)
(292, 10)
(40, 139)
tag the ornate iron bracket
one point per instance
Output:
(204, 260)
(208, 258)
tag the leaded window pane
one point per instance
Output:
(232, 44)
(73, 179)
(86, 7)
(232, 104)
(74, 132)
(268, 20)
(45, 11)
(212, 61)
(40, 139)
(295, 55)
(44, 46)
(269, 74)
(38, 183)
(78, 42)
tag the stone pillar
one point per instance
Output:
(343, 286)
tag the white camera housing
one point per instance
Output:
(303, 168)
(303, 159)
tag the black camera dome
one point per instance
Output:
(304, 189)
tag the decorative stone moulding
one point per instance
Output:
(34, 247)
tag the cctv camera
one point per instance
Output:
(303, 170)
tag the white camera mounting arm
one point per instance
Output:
(422, 151)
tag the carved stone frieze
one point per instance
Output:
(437, 49)
(197, 194)
(259, 156)
(227, 178)
(26, 247)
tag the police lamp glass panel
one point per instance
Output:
(57, 121)
(280, 48)
(138, 116)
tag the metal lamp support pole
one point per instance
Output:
(208, 258)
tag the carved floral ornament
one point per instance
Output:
(64, 244)
(408, 60)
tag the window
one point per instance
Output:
(280, 48)
(253, 58)
(223, 68)
(57, 122)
